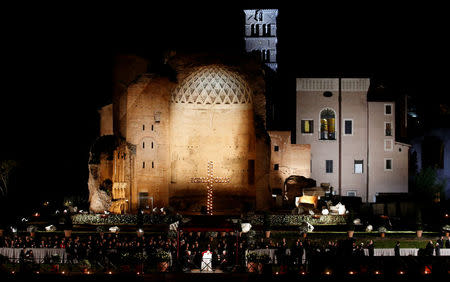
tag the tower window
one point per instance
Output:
(152, 127)
(307, 126)
(387, 129)
(268, 33)
(276, 166)
(327, 124)
(257, 30)
(152, 145)
(143, 144)
(329, 166)
(388, 144)
(388, 109)
(358, 166)
(153, 164)
(276, 148)
(143, 127)
(348, 127)
(387, 164)
(143, 164)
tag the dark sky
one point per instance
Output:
(57, 66)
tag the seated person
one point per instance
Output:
(188, 260)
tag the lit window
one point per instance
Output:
(348, 127)
(275, 167)
(388, 109)
(307, 126)
(329, 166)
(358, 166)
(387, 129)
(388, 144)
(388, 164)
(327, 125)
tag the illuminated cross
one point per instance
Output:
(209, 180)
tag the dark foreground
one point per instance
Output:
(319, 268)
(221, 277)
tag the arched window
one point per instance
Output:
(327, 124)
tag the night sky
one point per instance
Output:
(57, 68)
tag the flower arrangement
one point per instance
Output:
(252, 257)
(162, 256)
(102, 229)
(264, 258)
(85, 265)
(32, 228)
(55, 258)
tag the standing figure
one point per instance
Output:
(371, 248)
(397, 249)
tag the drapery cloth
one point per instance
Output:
(403, 252)
(270, 252)
(377, 252)
(39, 254)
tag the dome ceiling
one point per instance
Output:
(212, 84)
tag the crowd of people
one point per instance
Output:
(227, 250)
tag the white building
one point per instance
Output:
(352, 139)
(261, 34)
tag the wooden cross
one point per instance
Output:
(209, 180)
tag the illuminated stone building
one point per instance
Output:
(353, 146)
(170, 140)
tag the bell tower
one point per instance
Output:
(261, 34)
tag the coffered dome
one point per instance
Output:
(210, 85)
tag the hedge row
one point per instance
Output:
(115, 219)
(296, 220)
